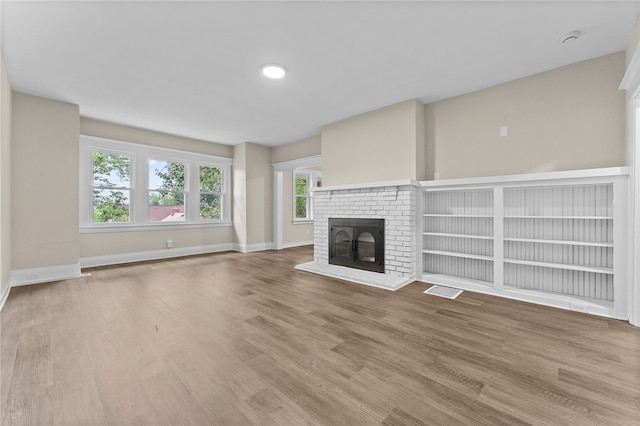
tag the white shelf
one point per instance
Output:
(596, 269)
(590, 303)
(444, 234)
(456, 282)
(559, 242)
(558, 217)
(557, 300)
(525, 179)
(458, 215)
(456, 254)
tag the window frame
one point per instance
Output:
(139, 185)
(185, 190)
(312, 177)
(93, 187)
(225, 201)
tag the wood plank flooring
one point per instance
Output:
(242, 339)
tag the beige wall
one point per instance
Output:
(240, 194)
(421, 142)
(305, 148)
(252, 195)
(376, 146)
(44, 182)
(259, 194)
(111, 243)
(292, 232)
(568, 118)
(120, 132)
(633, 43)
(5, 177)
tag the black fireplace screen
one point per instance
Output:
(357, 243)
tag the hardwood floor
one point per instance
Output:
(243, 339)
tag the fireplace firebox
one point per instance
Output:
(357, 243)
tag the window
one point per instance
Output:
(126, 185)
(304, 181)
(166, 191)
(110, 187)
(211, 193)
(302, 196)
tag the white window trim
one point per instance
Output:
(225, 194)
(312, 182)
(139, 185)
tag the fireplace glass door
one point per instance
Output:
(365, 245)
(357, 243)
(343, 250)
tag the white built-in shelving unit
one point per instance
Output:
(457, 234)
(552, 238)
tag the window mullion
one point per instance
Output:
(308, 195)
(294, 209)
(225, 194)
(139, 193)
(192, 198)
(186, 191)
(86, 194)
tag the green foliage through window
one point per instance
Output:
(170, 188)
(125, 184)
(111, 182)
(301, 197)
(210, 193)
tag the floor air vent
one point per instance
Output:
(448, 292)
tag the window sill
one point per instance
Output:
(156, 227)
(302, 222)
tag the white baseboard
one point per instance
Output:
(114, 259)
(45, 274)
(554, 300)
(248, 248)
(299, 244)
(5, 294)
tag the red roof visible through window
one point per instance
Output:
(166, 213)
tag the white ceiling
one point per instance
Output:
(192, 68)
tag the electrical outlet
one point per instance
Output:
(169, 244)
(436, 176)
(32, 276)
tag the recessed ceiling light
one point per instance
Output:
(273, 71)
(570, 37)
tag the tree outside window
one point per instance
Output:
(166, 191)
(210, 193)
(301, 195)
(111, 187)
(127, 185)
(304, 181)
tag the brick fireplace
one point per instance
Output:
(395, 202)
